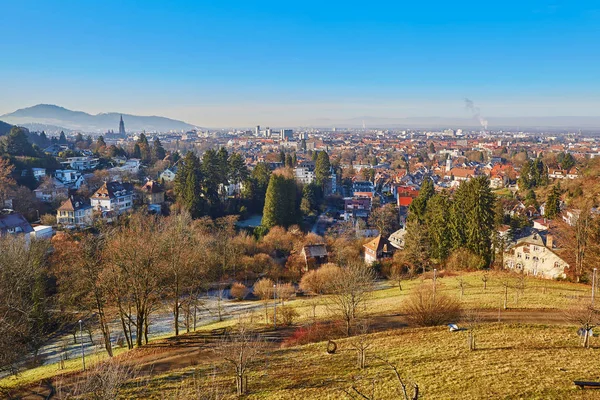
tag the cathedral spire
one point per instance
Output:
(122, 127)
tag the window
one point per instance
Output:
(527, 256)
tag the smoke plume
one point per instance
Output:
(476, 113)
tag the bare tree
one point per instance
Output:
(103, 381)
(350, 291)
(263, 289)
(471, 318)
(356, 392)
(240, 350)
(587, 317)
(361, 342)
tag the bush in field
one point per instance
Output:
(319, 281)
(464, 260)
(286, 315)
(285, 291)
(424, 307)
(238, 291)
(317, 332)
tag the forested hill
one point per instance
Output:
(4, 128)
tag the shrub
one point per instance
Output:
(286, 315)
(424, 307)
(313, 333)
(463, 259)
(238, 291)
(285, 291)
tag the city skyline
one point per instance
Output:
(245, 64)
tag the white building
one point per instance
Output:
(113, 197)
(70, 178)
(534, 255)
(304, 175)
(82, 163)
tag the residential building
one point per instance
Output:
(113, 198)
(82, 163)
(153, 193)
(168, 175)
(70, 178)
(535, 255)
(378, 249)
(314, 255)
(12, 223)
(51, 189)
(75, 211)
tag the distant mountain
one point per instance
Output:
(4, 128)
(494, 123)
(55, 116)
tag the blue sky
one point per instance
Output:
(242, 63)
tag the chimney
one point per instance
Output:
(549, 241)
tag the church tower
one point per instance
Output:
(122, 128)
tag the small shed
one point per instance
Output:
(314, 255)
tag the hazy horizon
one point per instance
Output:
(270, 63)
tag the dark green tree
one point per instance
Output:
(211, 172)
(188, 185)
(280, 202)
(62, 139)
(437, 218)
(158, 151)
(418, 207)
(17, 144)
(552, 207)
(322, 169)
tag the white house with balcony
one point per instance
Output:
(535, 255)
(82, 163)
(113, 198)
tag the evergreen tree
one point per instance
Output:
(238, 171)
(145, 150)
(310, 198)
(43, 139)
(294, 160)
(478, 203)
(188, 185)
(418, 207)
(158, 151)
(100, 143)
(212, 179)
(137, 152)
(322, 169)
(255, 187)
(288, 161)
(17, 144)
(416, 245)
(437, 219)
(282, 157)
(552, 208)
(78, 138)
(280, 202)
(223, 166)
(62, 139)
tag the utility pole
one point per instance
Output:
(81, 340)
(434, 279)
(275, 306)
(594, 285)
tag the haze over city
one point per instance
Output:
(236, 63)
